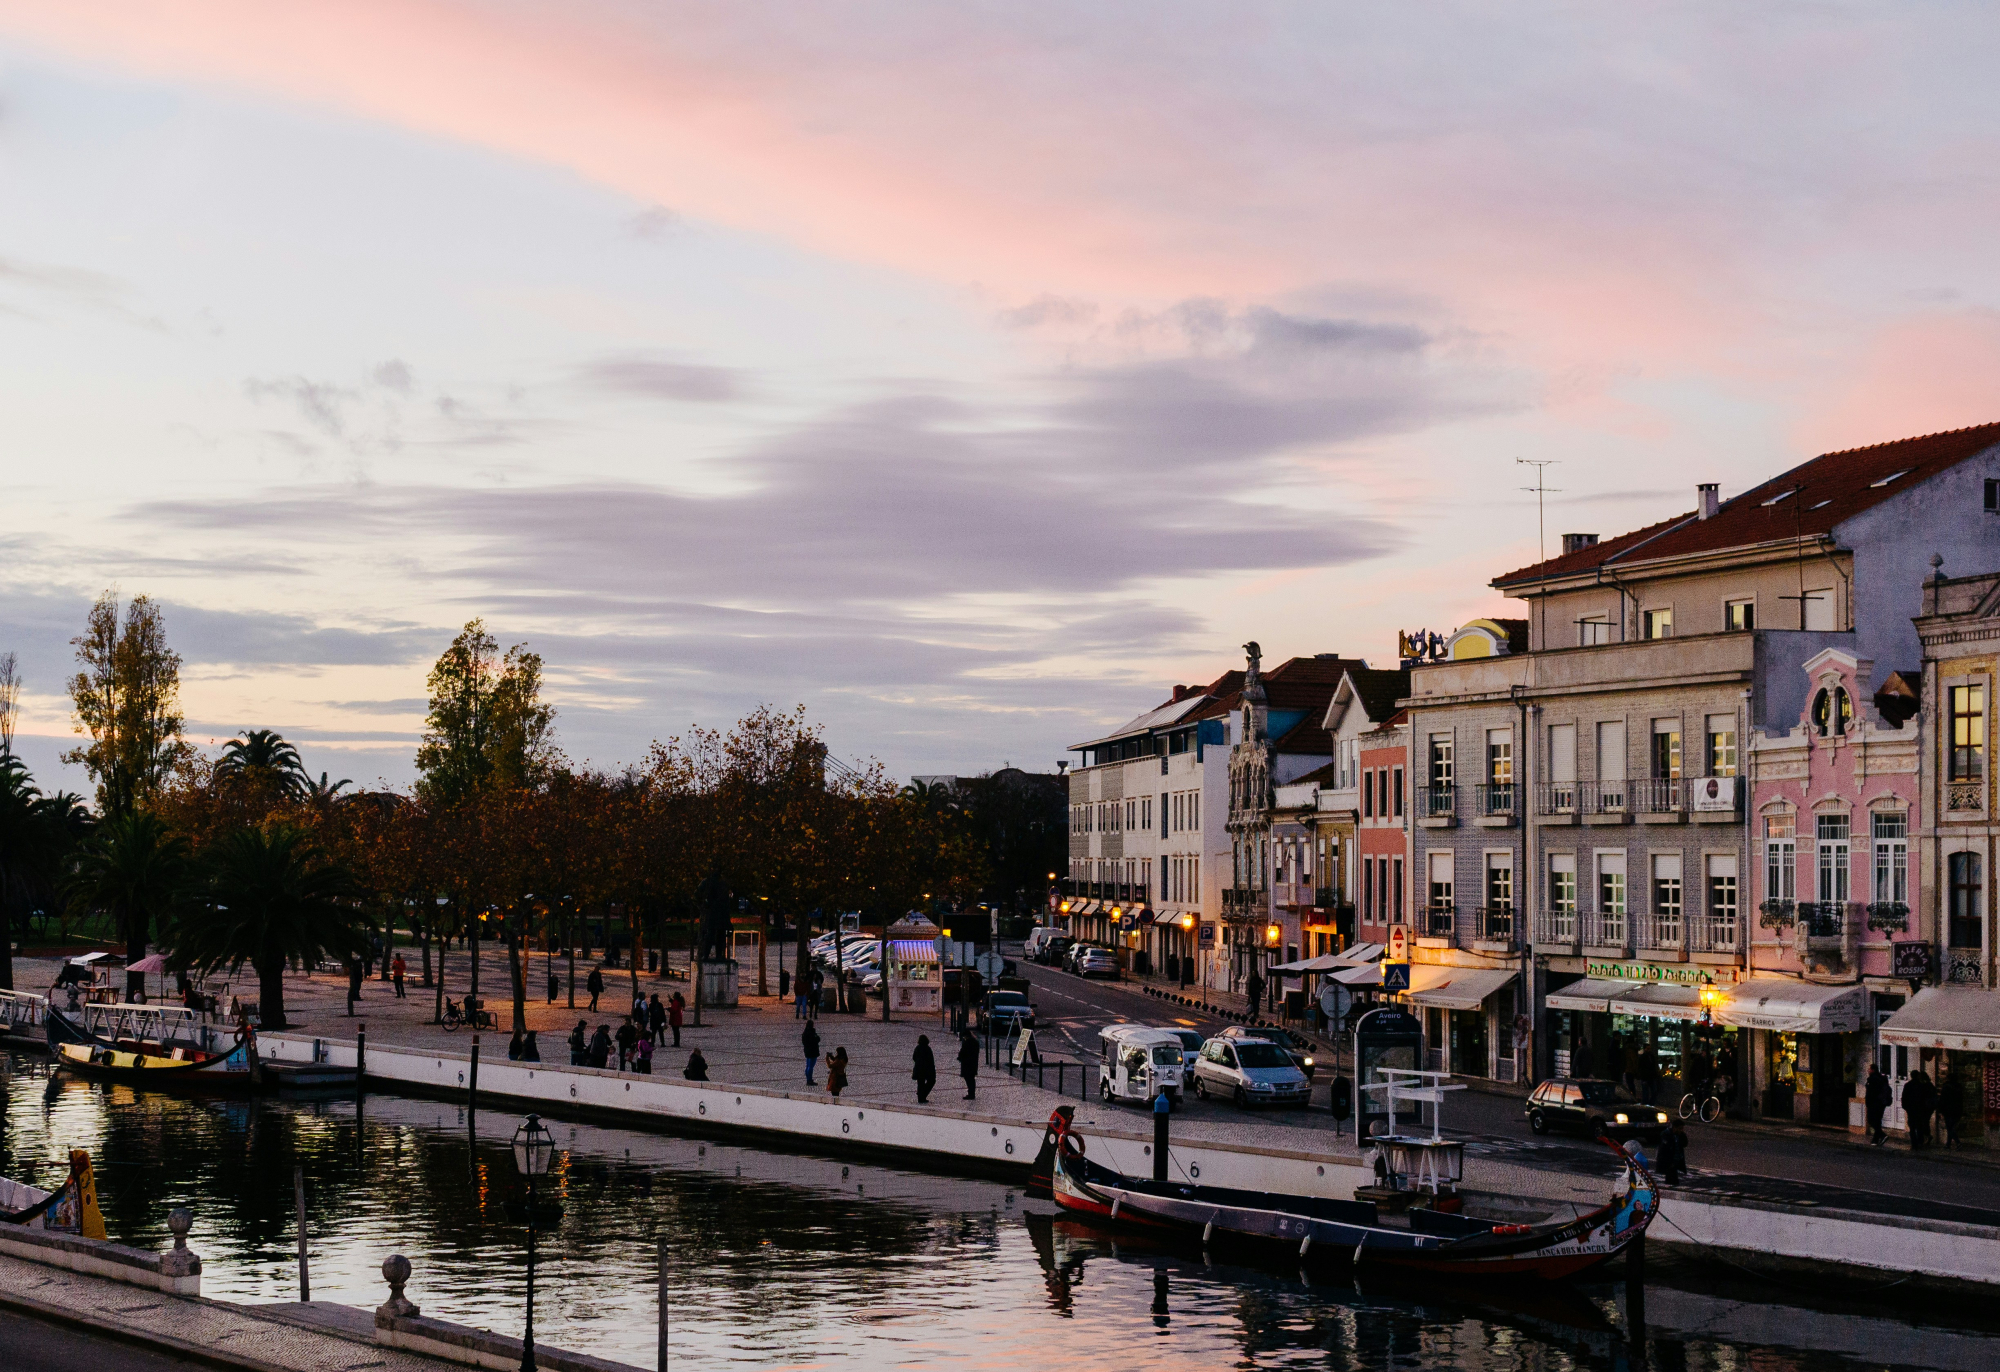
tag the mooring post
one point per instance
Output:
(663, 1306)
(299, 1200)
(1635, 1299)
(360, 1054)
(1161, 1107)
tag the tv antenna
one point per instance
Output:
(1540, 464)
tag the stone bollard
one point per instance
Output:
(180, 1260)
(396, 1271)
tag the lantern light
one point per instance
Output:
(1272, 933)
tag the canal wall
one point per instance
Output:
(926, 1135)
(1867, 1248)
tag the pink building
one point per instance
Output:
(1833, 807)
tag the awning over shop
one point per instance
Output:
(912, 950)
(1467, 988)
(1325, 962)
(1794, 1007)
(1368, 974)
(1360, 953)
(1171, 919)
(1590, 994)
(1659, 1000)
(1962, 1017)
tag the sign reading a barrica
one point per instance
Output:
(1653, 971)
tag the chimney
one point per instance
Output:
(1180, 694)
(1705, 499)
(1576, 543)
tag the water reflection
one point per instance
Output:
(789, 1260)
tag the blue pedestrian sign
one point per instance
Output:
(1395, 976)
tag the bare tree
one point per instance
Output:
(10, 702)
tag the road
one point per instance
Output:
(32, 1345)
(1773, 1162)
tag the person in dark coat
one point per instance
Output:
(836, 1072)
(1919, 1099)
(697, 1068)
(1950, 1109)
(968, 1063)
(809, 1041)
(674, 1015)
(1876, 1097)
(530, 1050)
(555, 985)
(1673, 1153)
(594, 984)
(579, 1046)
(514, 1047)
(923, 1069)
(600, 1047)
(628, 1035)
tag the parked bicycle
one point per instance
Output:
(1708, 1102)
(453, 1016)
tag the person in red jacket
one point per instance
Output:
(674, 1010)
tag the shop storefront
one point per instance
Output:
(1468, 1017)
(1953, 1033)
(1653, 1031)
(1809, 1045)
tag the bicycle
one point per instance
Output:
(1708, 1106)
(453, 1016)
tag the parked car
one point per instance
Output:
(1049, 952)
(1292, 1045)
(1038, 938)
(1249, 1071)
(1595, 1108)
(1004, 1012)
(1191, 1042)
(1137, 1062)
(1098, 962)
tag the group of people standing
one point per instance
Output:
(923, 1064)
(1923, 1105)
(642, 1031)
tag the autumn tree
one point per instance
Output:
(127, 698)
(487, 724)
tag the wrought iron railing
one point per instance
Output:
(1777, 914)
(1437, 802)
(1438, 920)
(1888, 914)
(1556, 926)
(1556, 798)
(1495, 799)
(1657, 795)
(1494, 923)
(1603, 930)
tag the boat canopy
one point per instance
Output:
(1963, 1017)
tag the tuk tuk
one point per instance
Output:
(1139, 1062)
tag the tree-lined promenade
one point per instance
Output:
(243, 859)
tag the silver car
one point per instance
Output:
(1097, 962)
(1250, 1072)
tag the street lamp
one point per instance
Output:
(1711, 996)
(534, 1146)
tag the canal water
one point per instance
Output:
(792, 1261)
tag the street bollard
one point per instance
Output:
(1161, 1107)
(396, 1271)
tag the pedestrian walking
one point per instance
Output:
(675, 1015)
(353, 984)
(836, 1072)
(1673, 1153)
(1950, 1109)
(809, 1041)
(642, 1055)
(818, 993)
(656, 1016)
(600, 1047)
(800, 985)
(579, 1046)
(594, 984)
(1919, 1099)
(697, 1067)
(968, 1063)
(531, 1051)
(1876, 1097)
(923, 1069)
(628, 1035)
(555, 985)
(396, 970)
(514, 1047)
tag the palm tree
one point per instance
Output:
(272, 898)
(323, 796)
(136, 868)
(34, 837)
(263, 755)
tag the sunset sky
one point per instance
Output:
(968, 373)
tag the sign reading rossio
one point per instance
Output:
(1913, 960)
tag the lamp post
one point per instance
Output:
(444, 942)
(534, 1146)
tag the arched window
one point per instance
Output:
(1822, 712)
(1843, 710)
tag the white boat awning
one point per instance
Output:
(1963, 1017)
(1791, 1006)
(1592, 993)
(1659, 1000)
(1466, 989)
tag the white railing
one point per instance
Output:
(22, 1010)
(157, 1023)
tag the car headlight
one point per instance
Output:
(1309, 1062)
(1663, 1117)
(1624, 1118)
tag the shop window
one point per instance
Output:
(1966, 923)
(1892, 857)
(1968, 733)
(1832, 836)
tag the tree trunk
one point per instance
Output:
(514, 959)
(6, 940)
(270, 994)
(427, 957)
(135, 948)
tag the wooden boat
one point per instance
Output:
(1323, 1229)
(80, 1053)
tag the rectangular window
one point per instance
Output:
(1368, 793)
(1442, 885)
(1562, 754)
(1831, 832)
(1667, 748)
(1722, 903)
(1562, 884)
(1500, 882)
(1781, 866)
(1891, 835)
(1396, 909)
(1382, 792)
(1163, 814)
(1396, 794)
(1657, 624)
(1968, 733)
(1440, 759)
(1592, 631)
(1817, 607)
(1194, 880)
(1666, 900)
(1368, 889)
(1610, 899)
(1722, 745)
(1740, 616)
(1967, 909)
(1500, 757)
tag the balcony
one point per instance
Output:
(1437, 806)
(1658, 800)
(1493, 928)
(1244, 903)
(1887, 915)
(1662, 929)
(1494, 804)
(1556, 798)
(1439, 921)
(1555, 928)
(1605, 802)
(1604, 930)
(1828, 934)
(1715, 934)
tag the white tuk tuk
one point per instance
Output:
(1138, 1062)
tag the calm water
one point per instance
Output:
(785, 1261)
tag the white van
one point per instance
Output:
(1138, 1062)
(1031, 947)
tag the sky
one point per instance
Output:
(968, 374)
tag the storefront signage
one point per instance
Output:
(1913, 960)
(1653, 971)
(1714, 793)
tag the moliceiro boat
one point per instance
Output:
(1325, 1230)
(69, 1209)
(80, 1053)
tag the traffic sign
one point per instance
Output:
(1395, 976)
(1399, 943)
(1329, 1001)
(989, 965)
